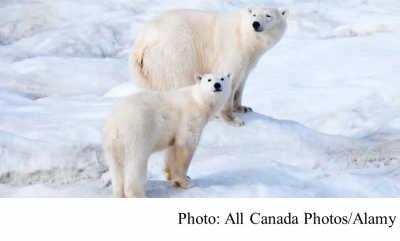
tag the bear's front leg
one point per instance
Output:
(226, 113)
(180, 166)
(169, 161)
(237, 100)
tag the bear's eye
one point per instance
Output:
(254, 15)
(268, 16)
(209, 80)
(222, 79)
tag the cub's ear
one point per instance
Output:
(248, 9)
(198, 78)
(284, 12)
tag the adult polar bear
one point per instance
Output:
(178, 44)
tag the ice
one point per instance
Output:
(326, 102)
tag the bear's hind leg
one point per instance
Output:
(117, 180)
(116, 171)
(135, 176)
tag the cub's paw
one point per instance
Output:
(135, 194)
(185, 183)
(242, 109)
(237, 122)
(168, 174)
(118, 194)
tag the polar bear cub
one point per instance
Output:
(193, 41)
(152, 121)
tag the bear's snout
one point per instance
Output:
(256, 25)
(217, 87)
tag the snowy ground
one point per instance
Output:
(326, 102)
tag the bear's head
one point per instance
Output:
(266, 19)
(214, 85)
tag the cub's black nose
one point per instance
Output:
(256, 25)
(217, 86)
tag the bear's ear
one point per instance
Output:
(198, 78)
(248, 9)
(284, 12)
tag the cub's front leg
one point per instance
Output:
(169, 163)
(179, 156)
(178, 168)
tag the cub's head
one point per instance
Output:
(264, 19)
(217, 85)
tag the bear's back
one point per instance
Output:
(186, 19)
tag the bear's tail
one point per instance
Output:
(136, 68)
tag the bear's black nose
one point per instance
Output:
(256, 25)
(217, 86)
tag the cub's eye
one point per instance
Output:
(222, 79)
(268, 16)
(209, 80)
(254, 15)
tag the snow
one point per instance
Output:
(326, 120)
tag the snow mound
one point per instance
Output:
(49, 76)
(124, 89)
(365, 28)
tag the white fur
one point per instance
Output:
(152, 121)
(174, 46)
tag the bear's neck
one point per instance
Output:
(208, 106)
